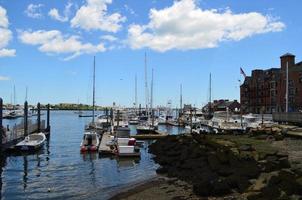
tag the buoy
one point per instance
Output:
(48, 190)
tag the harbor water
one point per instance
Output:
(59, 171)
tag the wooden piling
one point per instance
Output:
(25, 118)
(140, 110)
(111, 116)
(107, 116)
(152, 117)
(191, 123)
(118, 118)
(39, 117)
(48, 118)
(1, 123)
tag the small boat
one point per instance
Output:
(31, 142)
(126, 147)
(90, 142)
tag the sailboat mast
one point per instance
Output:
(135, 92)
(180, 106)
(146, 86)
(14, 97)
(26, 93)
(93, 93)
(151, 103)
(210, 96)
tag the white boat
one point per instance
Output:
(126, 147)
(31, 142)
(90, 142)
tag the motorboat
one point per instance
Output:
(31, 142)
(90, 142)
(126, 147)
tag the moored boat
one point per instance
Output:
(31, 142)
(90, 142)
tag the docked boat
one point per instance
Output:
(90, 142)
(146, 128)
(126, 147)
(31, 142)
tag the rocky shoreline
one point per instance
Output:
(221, 165)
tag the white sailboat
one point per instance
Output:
(91, 140)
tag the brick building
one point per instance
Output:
(265, 90)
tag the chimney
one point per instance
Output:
(287, 58)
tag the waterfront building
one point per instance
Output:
(223, 105)
(265, 90)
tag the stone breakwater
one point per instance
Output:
(219, 166)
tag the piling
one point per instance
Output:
(25, 118)
(39, 117)
(1, 124)
(48, 118)
(107, 116)
(140, 110)
(118, 118)
(152, 117)
(111, 116)
(191, 123)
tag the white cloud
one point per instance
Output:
(4, 78)
(93, 16)
(110, 38)
(3, 18)
(185, 26)
(34, 11)
(5, 35)
(54, 42)
(7, 52)
(54, 13)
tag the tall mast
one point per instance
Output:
(93, 93)
(14, 97)
(135, 92)
(151, 103)
(146, 86)
(286, 93)
(210, 96)
(180, 106)
(26, 93)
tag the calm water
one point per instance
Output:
(59, 171)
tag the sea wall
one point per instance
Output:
(218, 166)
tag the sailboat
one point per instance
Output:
(91, 140)
(148, 126)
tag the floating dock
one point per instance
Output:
(104, 148)
(9, 137)
(157, 135)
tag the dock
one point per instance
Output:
(157, 135)
(104, 148)
(10, 136)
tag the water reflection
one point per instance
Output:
(2, 164)
(127, 162)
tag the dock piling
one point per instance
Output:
(39, 117)
(25, 118)
(191, 123)
(107, 116)
(118, 118)
(48, 118)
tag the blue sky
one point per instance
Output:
(48, 46)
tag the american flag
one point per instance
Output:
(242, 72)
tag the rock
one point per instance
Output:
(202, 188)
(246, 147)
(284, 163)
(162, 170)
(213, 162)
(220, 187)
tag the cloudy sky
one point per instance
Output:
(48, 46)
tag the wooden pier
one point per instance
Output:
(10, 136)
(158, 134)
(104, 149)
